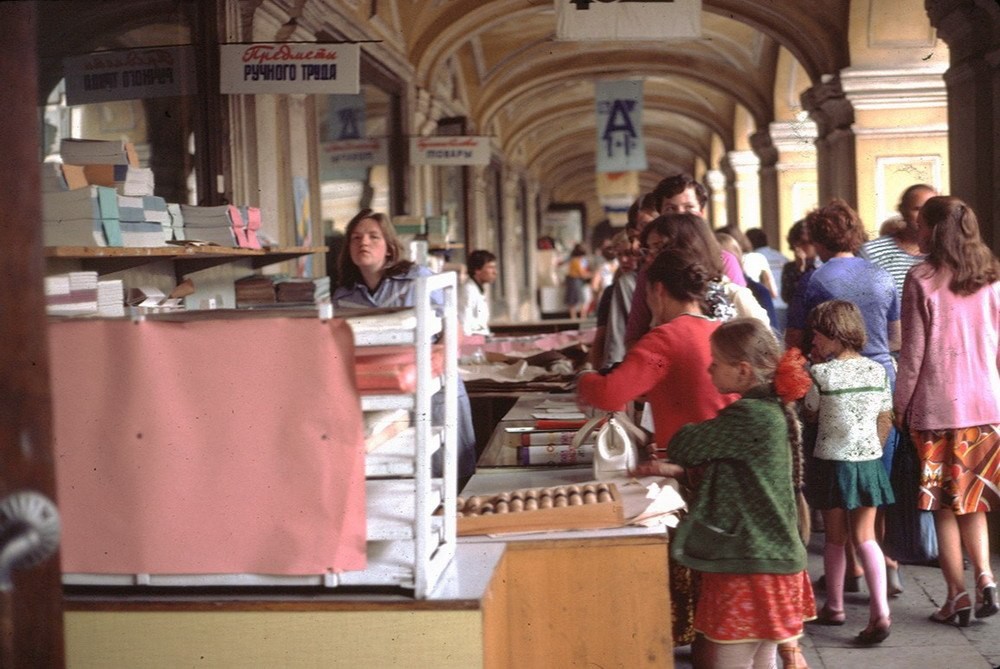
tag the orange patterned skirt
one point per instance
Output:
(960, 469)
(754, 607)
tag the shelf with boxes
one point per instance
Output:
(186, 259)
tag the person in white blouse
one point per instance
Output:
(474, 301)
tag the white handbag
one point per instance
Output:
(616, 444)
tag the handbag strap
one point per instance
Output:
(640, 436)
(583, 433)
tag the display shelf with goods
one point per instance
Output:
(186, 259)
(409, 542)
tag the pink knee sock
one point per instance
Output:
(873, 562)
(834, 566)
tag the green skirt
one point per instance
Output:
(833, 484)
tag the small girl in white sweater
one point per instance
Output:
(851, 400)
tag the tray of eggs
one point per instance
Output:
(587, 506)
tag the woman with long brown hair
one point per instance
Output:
(948, 394)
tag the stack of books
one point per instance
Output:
(82, 217)
(295, 290)
(111, 298)
(71, 294)
(145, 220)
(176, 222)
(254, 291)
(97, 152)
(209, 224)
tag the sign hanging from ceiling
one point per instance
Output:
(285, 67)
(620, 145)
(467, 150)
(130, 74)
(628, 19)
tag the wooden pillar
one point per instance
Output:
(31, 632)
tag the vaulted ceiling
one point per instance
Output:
(536, 94)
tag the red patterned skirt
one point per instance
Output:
(960, 469)
(754, 607)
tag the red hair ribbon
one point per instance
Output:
(791, 380)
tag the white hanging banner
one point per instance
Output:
(620, 146)
(130, 74)
(284, 67)
(628, 19)
(458, 150)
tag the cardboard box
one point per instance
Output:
(592, 515)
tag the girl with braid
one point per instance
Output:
(743, 529)
(851, 399)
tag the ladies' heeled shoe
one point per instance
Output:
(876, 632)
(830, 617)
(987, 603)
(956, 611)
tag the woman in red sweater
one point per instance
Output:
(669, 365)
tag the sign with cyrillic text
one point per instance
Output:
(130, 74)
(450, 150)
(341, 155)
(628, 19)
(620, 145)
(281, 67)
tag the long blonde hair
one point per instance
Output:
(749, 340)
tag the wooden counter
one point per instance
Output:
(589, 598)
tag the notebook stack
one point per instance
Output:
(71, 294)
(209, 224)
(111, 298)
(295, 290)
(255, 291)
(97, 152)
(145, 221)
(82, 217)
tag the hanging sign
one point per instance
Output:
(284, 67)
(620, 146)
(616, 191)
(628, 19)
(450, 150)
(338, 158)
(129, 74)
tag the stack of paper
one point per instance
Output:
(176, 222)
(111, 298)
(138, 181)
(209, 224)
(254, 291)
(82, 217)
(97, 152)
(72, 294)
(295, 290)
(145, 220)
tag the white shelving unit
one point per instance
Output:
(408, 545)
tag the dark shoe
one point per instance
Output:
(851, 583)
(830, 617)
(986, 597)
(876, 632)
(956, 611)
(894, 586)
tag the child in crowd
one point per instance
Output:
(742, 531)
(852, 403)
